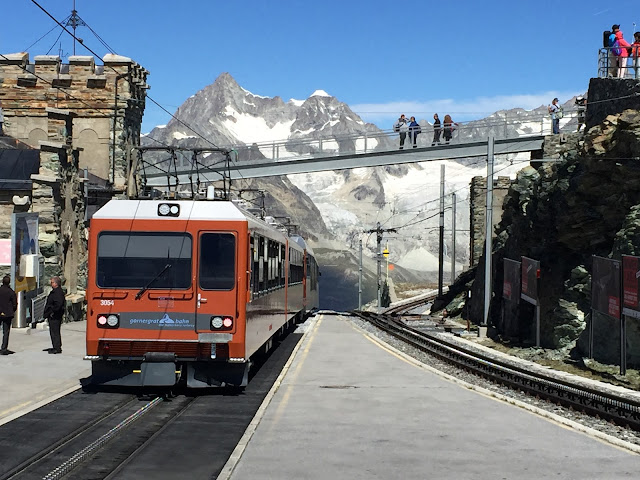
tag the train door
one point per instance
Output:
(216, 292)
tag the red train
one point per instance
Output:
(186, 292)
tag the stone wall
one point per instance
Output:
(107, 101)
(611, 96)
(81, 116)
(477, 206)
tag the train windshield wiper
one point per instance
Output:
(144, 289)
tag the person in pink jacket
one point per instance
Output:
(622, 57)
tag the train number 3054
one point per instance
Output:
(107, 302)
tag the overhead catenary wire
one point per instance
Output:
(229, 159)
(98, 56)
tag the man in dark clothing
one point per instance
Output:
(437, 130)
(8, 305)
(53, 312)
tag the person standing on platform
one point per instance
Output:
(402, 127)
(8, 306)
(53, 312)
(448, 128)
(622, 51)
(555, 111)
(437, 130)
(414, 131)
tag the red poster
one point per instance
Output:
(614, 307)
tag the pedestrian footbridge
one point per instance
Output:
(169, 166)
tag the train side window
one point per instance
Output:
(217, 261)
(252, 250)
(260, 265)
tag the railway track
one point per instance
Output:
(608, 405)
(116, 435)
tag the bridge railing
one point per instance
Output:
(519, 124)
(388, 140)
(616, 66)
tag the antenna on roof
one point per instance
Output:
(75, 21)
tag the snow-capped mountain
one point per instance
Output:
(405, 197)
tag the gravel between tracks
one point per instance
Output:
(598, 424)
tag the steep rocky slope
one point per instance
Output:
(562, 213)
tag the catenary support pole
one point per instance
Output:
(441, 239)
(488, 232)
(360, 279)
(623, 345)
(453, 238)
(378, 258)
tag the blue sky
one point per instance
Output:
(465, 57)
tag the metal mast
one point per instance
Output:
(75, 21)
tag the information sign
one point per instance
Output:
(630, 286)
(605, 286)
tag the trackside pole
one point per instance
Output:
(360, 279)
(488, 231)
(453, 238)
(537, 323)
(591, 333)
(378, 258)
(441, 236)
(623, 345)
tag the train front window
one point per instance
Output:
(217, 261)
(144, 259)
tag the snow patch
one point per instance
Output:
(319, 93)
(251, 129)
(297, 103)
(181, 136)
(420, 259)
(252, 94)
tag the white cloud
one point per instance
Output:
(461, 110)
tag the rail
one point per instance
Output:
(611, 65)
(613, 407)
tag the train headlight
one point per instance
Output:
(168, 210)
(216, 322)
(113, 320)
(221, 322)
(108, 320)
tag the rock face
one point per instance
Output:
(587, 203)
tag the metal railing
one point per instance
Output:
(512, 125)
(617, 66)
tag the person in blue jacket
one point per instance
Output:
(414, 131)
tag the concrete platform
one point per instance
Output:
(350, 407)
(30, 377)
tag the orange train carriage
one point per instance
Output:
(185, 292)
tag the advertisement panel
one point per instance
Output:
(530, 276)
(630, 286)
(24, 239)
(605, 286)
(5, 252)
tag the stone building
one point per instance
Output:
(84, 119)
